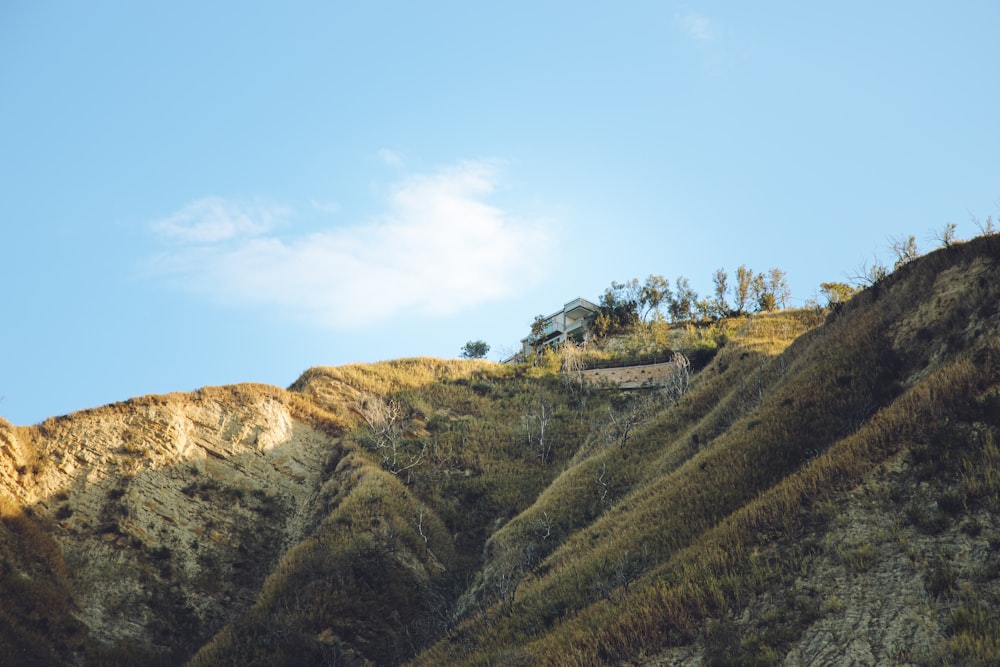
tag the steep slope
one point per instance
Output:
(168, 511)
(380, 576)
(745, 492)
(265, 526)
(825, 491)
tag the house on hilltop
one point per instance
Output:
(573, 322)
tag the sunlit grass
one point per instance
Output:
(534, 527)
(761, 459)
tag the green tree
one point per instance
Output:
(770, 291)
(836, 293)
(602, 324)
(538, 329)
(705, 309)
(620, 306)
(777, 283)
(762, 293)
(475, 349)
(630, 291)
(682, 304)
(743, 291)
(655, 292)
(721, 281)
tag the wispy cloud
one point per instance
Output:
(437, 248)
(707, 38)
(390, 157)
(697, 26)
(214, 219)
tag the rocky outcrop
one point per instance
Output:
(881, 586)
(170, 509)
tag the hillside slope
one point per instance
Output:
(752, 531)
(164, 513)
(828, 497)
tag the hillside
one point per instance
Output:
(825, 492)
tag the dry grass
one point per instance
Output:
(380, 575)
(37, 596)
(531, 531)
(794, 432)
(359, 580)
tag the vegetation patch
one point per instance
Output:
(473, 513)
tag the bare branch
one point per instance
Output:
(544, 526)
(868, 273)
(904, 249)
(573, 363)
(384, 419)
(541, 417)
(420, 524)
(625, 419)
(986, 228)
(947, 235)
(676, 384)
(602, 484)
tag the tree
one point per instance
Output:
(620, 306)
(762, 293)
(384, 419)
(904, 248)
(507, 566)
(721, 279)
(573, 363)
(627, 413)
(603, 486)
(475, 349)
(602, 324)
(985, 228)
(770, 291)
(676, 384)
(683, 302)
(624, 297)
(624, 420)
(537, 336)
(869, 273)
(777, 283)
(541, 417)
(538, 329)
(947, 235)
(655, 291)
(744, 282)
(836, 293)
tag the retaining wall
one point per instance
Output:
(631, 377)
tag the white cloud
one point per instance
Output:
(437, 249)
(697, 26)
(213, 219)
(390, 157)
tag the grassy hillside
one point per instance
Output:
(467, 513)
(759, 452)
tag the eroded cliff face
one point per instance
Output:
(885, 583)
(170, 511)
(833, 503)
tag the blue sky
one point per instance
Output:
(203, 193)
